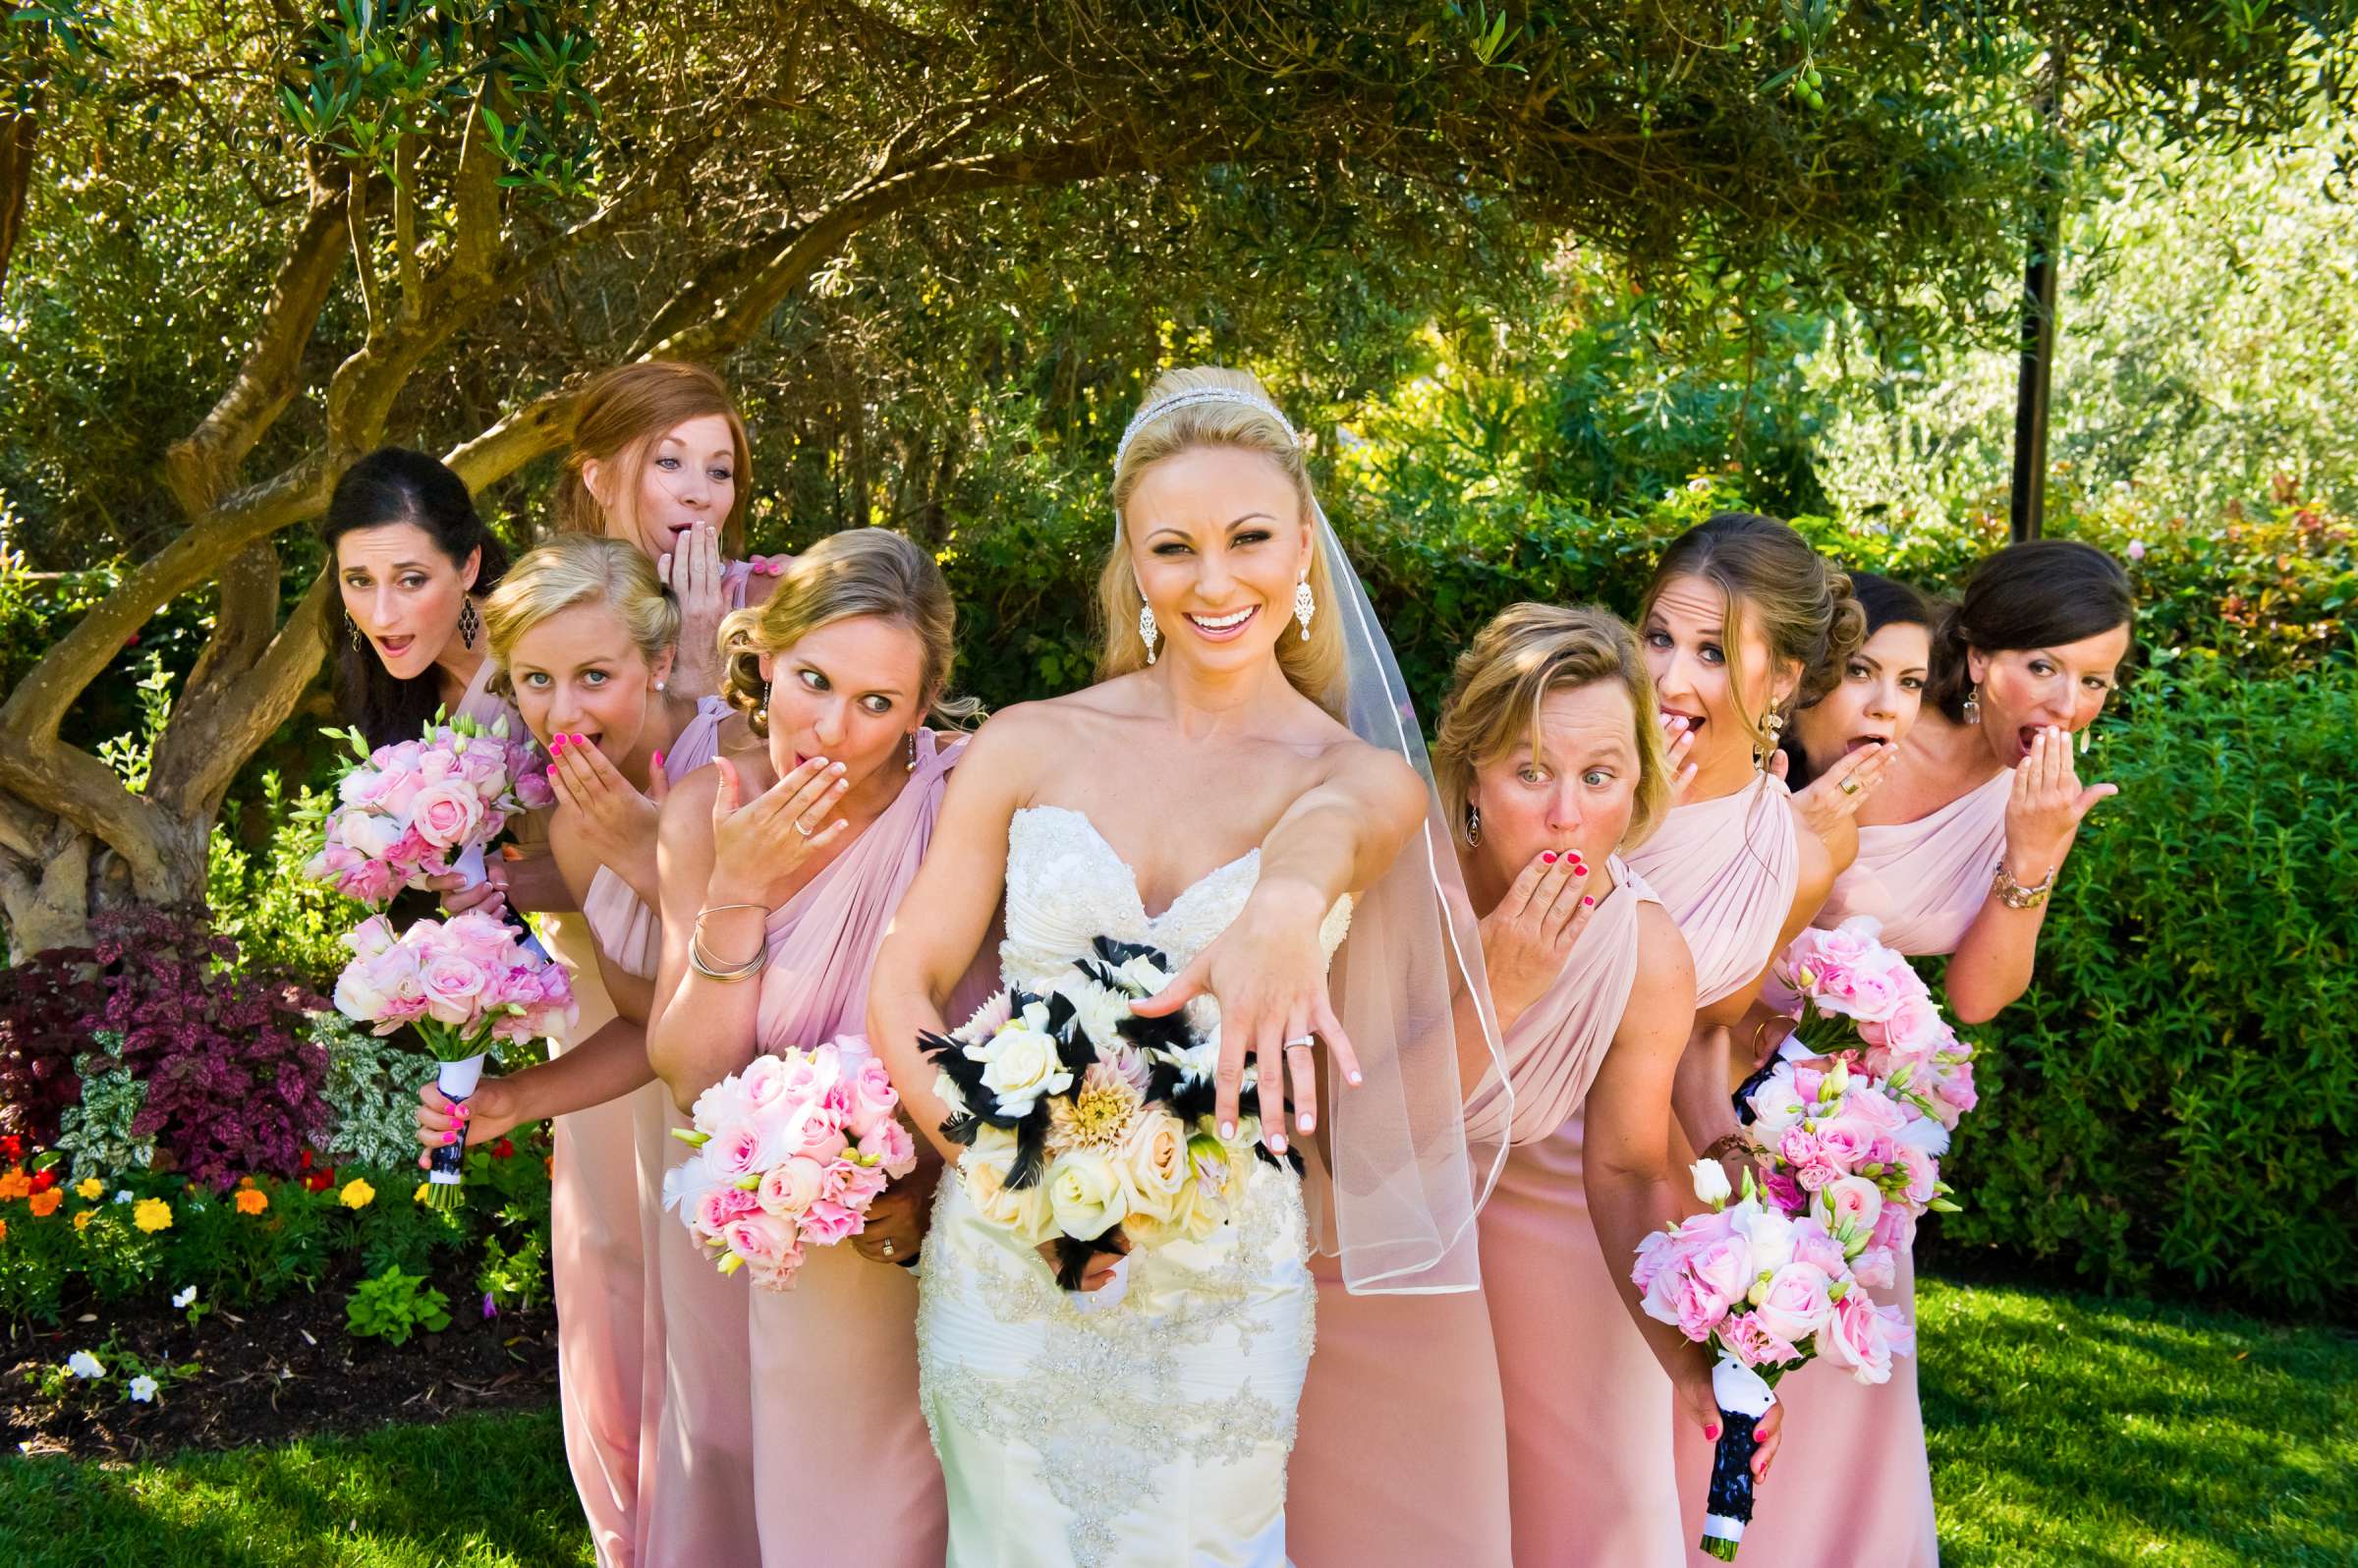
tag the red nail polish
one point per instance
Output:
(1586, 902)
(1548, 857)
(1711, 1432)
(1579, 870)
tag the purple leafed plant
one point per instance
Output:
(233, 1078)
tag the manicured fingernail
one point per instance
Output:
(556, 743)
(552, 773)
(658, 759)
(1548, 857)
(1309, 1123)
(1276, 1142)
(1580, 870)
(1353, 1075)
(450, 1137)
(836, 767)
(1227, 1129)
(1586, 902)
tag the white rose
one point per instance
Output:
(1145, 973)
(371, 834)
(1155, 1163)
(1087, 1196)
(1024, 1212)
(1711, 1182)
(1098, 1012)
(1776, 1106)
(1768, 1233)
(1020, 1064)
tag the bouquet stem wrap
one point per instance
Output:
(1744, 1396)
(443, 1175)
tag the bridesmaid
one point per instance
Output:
(1743, 621)
(1868, 709)
(659, 460)
(782, 864)
(584, 632)
(1550, 762)
(1956, 856)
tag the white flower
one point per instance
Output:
(1197, 1062)
(142, 1390)
(946, 1089)
(1145, 973)
(1020, 1062)
(1927, 1135)
(82, 1364)
(1711, 1182)
(123, 1196)
(185, 1297)
(1086, 1194)
(1098, 1012)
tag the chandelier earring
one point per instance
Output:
(468, 622)
(1973, 704)
(1148, 631)
(1306, 605)
(1773, 725)
(1473, 825)
(352, 629)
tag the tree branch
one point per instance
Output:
(199, 466)
(227, 725)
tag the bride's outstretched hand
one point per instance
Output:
(1268, 972)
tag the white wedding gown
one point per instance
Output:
(1152, 1432)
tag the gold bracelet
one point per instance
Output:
(2014, 895)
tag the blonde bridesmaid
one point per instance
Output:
(583, 635)
(1550, 763)
(782, 867)
(1954, 855)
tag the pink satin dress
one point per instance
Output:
(1850, 1446)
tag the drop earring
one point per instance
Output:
(912, 764)
(1773, 725)
(1973, 704)
(1473, 825)
(762, 709)
(352, 630)
(1304, 605)
(1148, 631)
(468, 622)
(2084, 734)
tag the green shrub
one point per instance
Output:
(281, 920)
(2176, 1096)
(393, 1305)
(97, 1132)
(372, 1093)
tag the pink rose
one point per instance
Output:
(827, 1223)
(452, 983)
(1753, 1344)
(888, 1142)
(1853, 1201)
(362, 786)
(1797, 1303)
(719, 1205)
(1894, 1229)
(1923, 1173)
(739, 1150)
(862, 1184)
(1913, 1026)
(446, 814)
(1798, 1147)
(764, 1241)
(1875, 1268)
(400, 788)
(1860, 1337)
(1817, 1175)
(1845, 1141)
(1784, 1192)
(790, 1187)
(875, 1097)
(818, 1133)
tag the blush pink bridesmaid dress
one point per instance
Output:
(613, 1414)
(1847, 1446)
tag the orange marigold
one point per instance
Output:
(44, 1204)
(253, 1200)
(15, 1183)
(82, 1221)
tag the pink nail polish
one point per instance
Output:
(1580, 870)
(658, 759)
(1548, 858)
(1586, 902)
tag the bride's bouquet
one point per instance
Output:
(1087, 1125)
(463, 982)
(1847, 988)
(789, 1154)
(423, 808)
(1765, 1292)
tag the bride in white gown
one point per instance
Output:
(1206, 797)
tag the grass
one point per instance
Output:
(2067, 1428)
(2064, 1429)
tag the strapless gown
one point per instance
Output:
(1150, 1430)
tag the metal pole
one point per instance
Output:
(2039, 327)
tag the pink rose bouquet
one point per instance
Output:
(1858, 995)
(1765, 1292)
(423, 808)
(789, 1154)
(462, 983)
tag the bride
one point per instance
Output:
(1209, 797)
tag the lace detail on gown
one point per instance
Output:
(1155, 1430)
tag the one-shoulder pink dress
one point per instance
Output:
(1731, 891)
(1848, 1445)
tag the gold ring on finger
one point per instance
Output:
(1850, 786)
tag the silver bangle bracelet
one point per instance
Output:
(727, 973)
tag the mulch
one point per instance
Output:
(272, 1372)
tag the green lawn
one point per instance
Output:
(2065, 1430)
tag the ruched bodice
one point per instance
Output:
(629, 933)
(1926, 880)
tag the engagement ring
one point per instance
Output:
(1850, 786)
